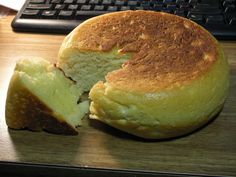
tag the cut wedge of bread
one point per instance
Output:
(40, 97)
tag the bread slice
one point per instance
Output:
(174, 77)
(40, 97)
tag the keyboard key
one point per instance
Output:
(146, 5)
(125, 8)
(93, 1)
(230, 8)
(112, 8)
(139, 8)
(180, 2)
(232, 21)
(195, 17)
(55, 1)
(228, 2)
(30, 13)
(99, 7)
(72, 6)
(132, 3)
(83, 15)
(59, 6)
(107, 2)
(68, 1)
(217, 19)
(49, 14)
(168, 1)
(193, 2)
(119, 2)
(179, 12)
(65, 14)
(171, 6)
(184, 6)
(206, 11)
(39, 6)
(166, 10)
(209, 1)
(158, 7)
(37, 1)
(206, 6)
(81, 1)
(86, 7)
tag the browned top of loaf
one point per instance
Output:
(166, 49)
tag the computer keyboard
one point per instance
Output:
(61, 16)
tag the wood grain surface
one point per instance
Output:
(210, 150)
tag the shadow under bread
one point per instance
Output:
(44, 147)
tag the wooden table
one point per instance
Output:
(211, 150)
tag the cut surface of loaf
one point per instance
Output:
(40, 97)
(87, 68)
(174, 76)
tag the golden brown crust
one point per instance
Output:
(25, 110)
(167, 50)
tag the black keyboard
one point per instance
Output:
(61, 16)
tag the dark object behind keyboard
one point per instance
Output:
(61, 16)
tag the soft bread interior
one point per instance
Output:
(168, 113)
(86, 68)
(51, 87)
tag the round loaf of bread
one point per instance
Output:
(165, 75)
